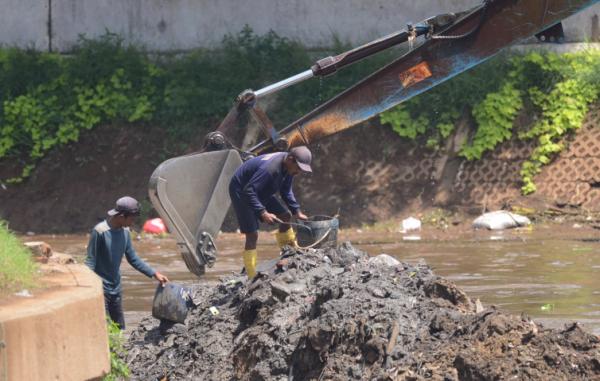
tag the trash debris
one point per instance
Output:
(24, 294)
(410, 224)
(500, 220)
(384, 259)
(41, 250)
(171, 302)
(353, 318)
(155, 226)
(547, 307)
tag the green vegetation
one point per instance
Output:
(47, 100)
(118, 367)
(17, 269)
(556, 89)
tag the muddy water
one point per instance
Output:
(551, 273)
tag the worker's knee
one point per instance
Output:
(251, 239)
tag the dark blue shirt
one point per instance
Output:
(104, 254)
(260, 178)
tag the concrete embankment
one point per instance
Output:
(59, 333)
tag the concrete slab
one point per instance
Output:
(58, 334)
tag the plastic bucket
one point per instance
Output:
(318, 231)
(171, 302)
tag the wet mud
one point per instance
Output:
(338, 314)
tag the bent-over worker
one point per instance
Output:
(253, 190)
(109, 241)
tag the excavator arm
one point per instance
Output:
(191, 192)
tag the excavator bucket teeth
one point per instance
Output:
(191, 195)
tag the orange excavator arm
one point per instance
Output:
(190, 192)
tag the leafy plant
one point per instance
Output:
(118, 367)
(17, 269)
(48, 100)
(556, 89)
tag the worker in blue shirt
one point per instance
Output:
(109, 241)
(253, 189)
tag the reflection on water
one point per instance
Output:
(551, 278)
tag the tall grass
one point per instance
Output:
(17, 269)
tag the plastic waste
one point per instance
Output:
(384, 259)
(410, 224)
(171, 302)
(500, 220)
(155, 226)
(547, 307)
(24, 293)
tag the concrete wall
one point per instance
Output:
(59, 333)
(185, 24)
(24, 23)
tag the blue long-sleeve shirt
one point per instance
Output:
(261, 177)
(105, 252)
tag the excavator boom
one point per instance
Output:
(190, 192)
(469, 41)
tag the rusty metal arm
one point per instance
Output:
(247, 100)
(468, 41)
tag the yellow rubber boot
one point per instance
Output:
(286, 238)
(250, 262)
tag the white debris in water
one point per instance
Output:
(499, 220)
(410, 224)
(24, 294)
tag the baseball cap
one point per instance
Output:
(303, 158)
(125, 205)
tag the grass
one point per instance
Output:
(17, 268)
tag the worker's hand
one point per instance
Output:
(301, 216)
(268, 218)
(161, 278)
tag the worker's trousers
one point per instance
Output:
(113, 304)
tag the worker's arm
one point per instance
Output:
(92, 250)
(134, 260)
(137, 263)
(288, 195)
(250, 192)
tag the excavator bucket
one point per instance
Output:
(191, 195)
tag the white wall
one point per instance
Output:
(167, 25)
(24, 23)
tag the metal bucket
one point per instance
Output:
(318, 231)
(171, 302)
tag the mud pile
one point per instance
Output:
(336, 314)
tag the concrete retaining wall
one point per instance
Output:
(186, 24)
(60, 333)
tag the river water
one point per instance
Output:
(551, 273)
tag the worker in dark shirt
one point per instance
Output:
(253, 189)
(109, 241)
